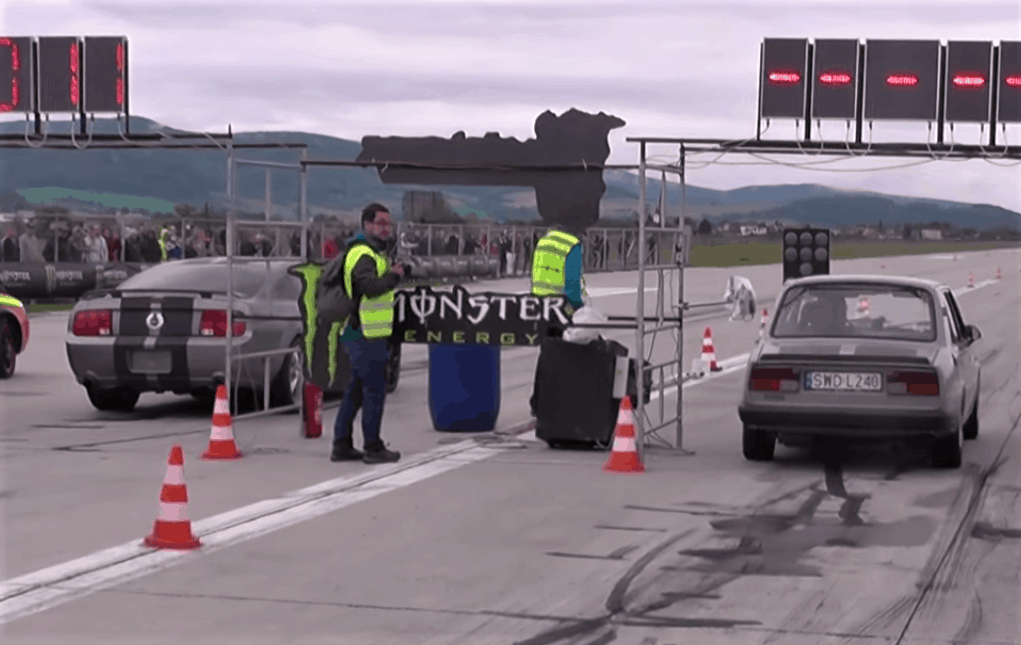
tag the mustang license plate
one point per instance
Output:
(844, 381)
(150, 362)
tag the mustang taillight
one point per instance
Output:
(773, 379)
(214, 323)
(916, 383)
(93, 322)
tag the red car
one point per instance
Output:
(13, 333)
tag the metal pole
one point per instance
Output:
(639, 407)
(303, 206)
(269, 193)
(679, 437)
(229, 221)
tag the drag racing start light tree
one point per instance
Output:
(806, 252)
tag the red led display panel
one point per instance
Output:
(783, 87)
(105, 73)
(968, 96)
(17, 90)
(901, 80)
(60, 74)
(835, 82)
(1008, 104)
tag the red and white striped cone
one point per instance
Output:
(709, 351)
(971, 280)
(765, 319)
(222, 446)
(172, 529)
(863, 305)
(999, 275)
(624, 457)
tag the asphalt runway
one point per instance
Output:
(501, 540)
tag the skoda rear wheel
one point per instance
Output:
(757, 445)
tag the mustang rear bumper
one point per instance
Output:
(849, 423)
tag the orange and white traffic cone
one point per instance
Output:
(883, 265)
(172, 529)
(863, 305)
(222, 446)
(624, 456)
(971, 280)
(765, 319)
(999, 275)
(709, 351)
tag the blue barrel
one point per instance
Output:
(464, 387)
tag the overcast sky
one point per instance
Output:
(675, 68)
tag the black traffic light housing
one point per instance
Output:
(806, 252)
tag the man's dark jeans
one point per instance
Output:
(367, 390)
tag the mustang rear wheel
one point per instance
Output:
(112, 400)
(758, 445)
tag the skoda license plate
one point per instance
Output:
(844, 381)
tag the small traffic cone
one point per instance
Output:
(883, 265)
(765, 318)
(863, 305)
(172, 528)
(708, 351)
(971, 280)
(999, 276)
(222, 446)
(624, 456)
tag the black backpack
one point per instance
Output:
(332, 301)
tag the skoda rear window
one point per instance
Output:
(174, 276)
(866, 311)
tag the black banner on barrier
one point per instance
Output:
(423, 315)
(62, 279)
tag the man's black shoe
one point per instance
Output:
(346, 453)
(381, 455)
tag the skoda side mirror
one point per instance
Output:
(973, 333)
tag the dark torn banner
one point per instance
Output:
(423, 315)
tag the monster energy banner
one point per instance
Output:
(422, 315)
(457, 316)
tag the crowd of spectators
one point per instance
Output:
(69, 241)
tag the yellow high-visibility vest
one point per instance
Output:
(549, 264)
(376, 314)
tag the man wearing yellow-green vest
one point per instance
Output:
(370, 282)
(557, 271)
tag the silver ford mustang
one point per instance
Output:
(863, 358)
(164, 330)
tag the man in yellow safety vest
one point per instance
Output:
(557, 263)
(369, 281)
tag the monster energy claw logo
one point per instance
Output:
(51, 278)
(309, 274)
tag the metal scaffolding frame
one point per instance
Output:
(231, 222)
(755, 146)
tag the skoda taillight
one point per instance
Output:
(773, 379)
(918, 383)
(93, 322)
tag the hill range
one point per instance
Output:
(149, 178)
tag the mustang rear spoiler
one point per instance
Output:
(118, 293)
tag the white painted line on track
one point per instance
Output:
(53, 586)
